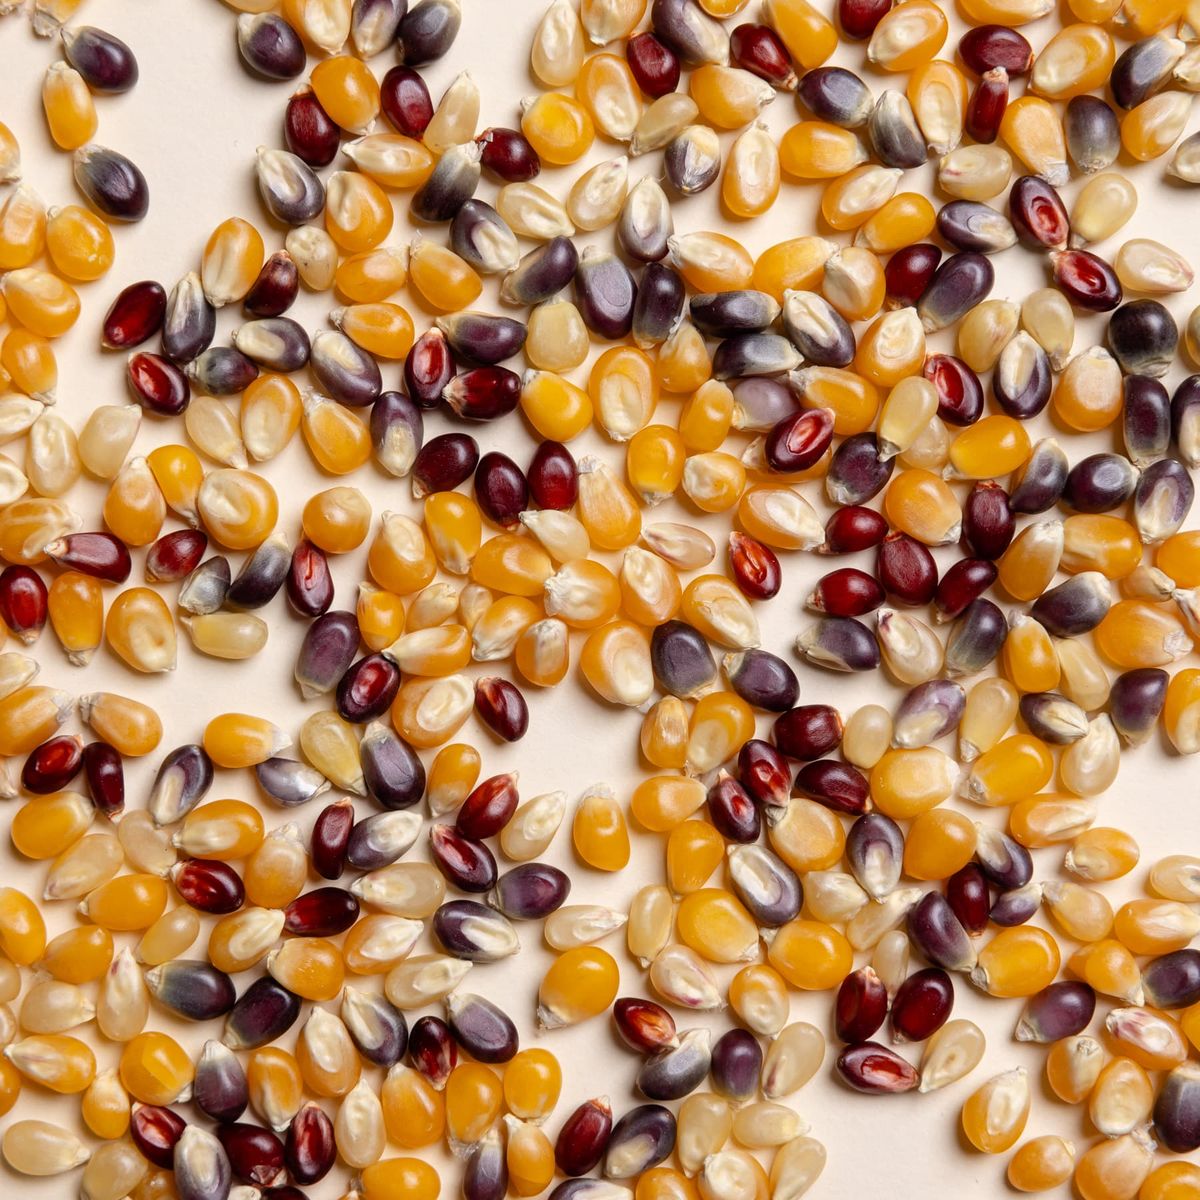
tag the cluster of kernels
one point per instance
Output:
(631, 643)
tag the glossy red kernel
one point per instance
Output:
(858, 18)
(508, 154)
(860, 1006)
(134, 316)
(759, 49)
(330, 838)
(501, 707)
(157, 384)
(755, 567)
(846, 592)
(852, 529)
(323, 912)
(654, 65)
(405, 101)
(175, 555)
(24, 602)
(52, 765)
(906, 569)
(553, 477)
(209, 886)
(963, 582)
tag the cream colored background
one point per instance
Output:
(192, 124)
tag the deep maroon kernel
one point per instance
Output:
(209, 886)
(24, 602)
(852, 529)
(988, 521)
(488, 808)
(483, 393)
(405, 101)
(433, 1050)
(1038, 214)
(836, 785)
(922, 1005)
(105, 775)
(858, 18)
(764, 773)
(808, 732)
(501, 707)
(323, 912)
(553, 477)
(846, 592)
(860, 1005)
(96, 553)
(157, 384)
(310, 1149)
(736, 1064)
(581, 1142)
(800, 440)
(968, 897)
(155, 1131)
(175, 555)
(756, 569)
(908, 273)
(858, 471)
(134, 316)
(987, 106)
(960, 394)
(906, 569)
(308, 130)
(654, 65)
(468, 865)
(508, 154)
(255, 1154)
(964, 581)
(443, 463)
(760, 50)
(732, 811)
(428, 368)
(52, 765)
(988, 46)
(331, 837)
(265, 1011)
(501, 489)
(367, 689)
(1086, 280)
(309, 583)
(275, 289)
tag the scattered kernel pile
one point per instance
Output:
(795, 856)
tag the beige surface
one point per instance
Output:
(192, 124)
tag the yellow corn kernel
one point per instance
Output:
(750, 182)
(1033, 131)
(728, 97)
(1073, 1065)
(59, 1062)
(380, 616)
(583, 593)
(233, 258)
(1047, 819)
(711, 262)
(338, 440)
(684, 362)
(238, 508)
(809, 36)
(67, 103)
(22, 228)
(1114, 1167)
(819, 150)
(994, 1115)
(455, 528)
(30, 363)
(371, 276)
(906, 783)
(721, 723)
(240, 740)
(270, 414)
(444, 281)
(664, 734)
(1017, 962)
(1155, 926)
(797, 264)
(714, 923)
(808, 837)
(532, 1083)
(134, 508)
(1014, 769)
(400, 557)
(140, 630)
(105, 1106)
(382, 329)
(1171, 1181)
(923, 506)
(558, 127)
(529, 1156)
(939, 843)
(1136, 633)
(391, 160)
(543, 654)
(694, 851)
(474, 1096)
(222, 829)
(1077, 59)
(706, 417)
(169, 937)
(413, 1110)
(663, 801)
(853, 283)
(556, 408)
(47, 825)
(428, 712)
(606, 88)
(650, 589)
(715, 606)
(77, 956)
(512, 564)
(1030, 562)
(43, 303)
(155, 1069)
(991, 447)
(907, 36)
(599, 832)
(347, 90)
(937, 92)
(810, 955)
(22, 930)
(310, 967)
(242, 939)
(132, 727)
(1098, 542)
(580, 984)
(906, 218)
(1153, 127)
(358, 213)
(1088, 394)
(76, 609)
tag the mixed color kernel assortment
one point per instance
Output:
(808, 399)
